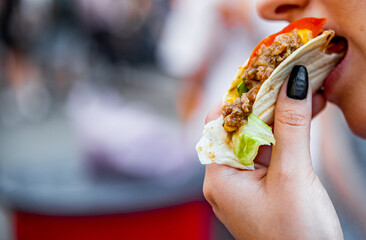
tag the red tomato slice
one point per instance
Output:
(313, 24)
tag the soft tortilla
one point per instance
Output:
(214, 145)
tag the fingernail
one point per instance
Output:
(298, 83)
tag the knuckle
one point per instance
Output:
(286, 175)
(281, 178)
(216, 211)
(292, 118)
(208, 118)
(209, 196)
(207, 192)
(290, 173)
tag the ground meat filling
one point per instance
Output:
(258, 70)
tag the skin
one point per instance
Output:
(283, 198)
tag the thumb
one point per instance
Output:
(292, 124)
(214, 113)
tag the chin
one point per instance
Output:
(355, 121)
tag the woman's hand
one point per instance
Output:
(283, 198)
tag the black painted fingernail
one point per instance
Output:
(298, 83)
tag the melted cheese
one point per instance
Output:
(231, 99)
(305, 35)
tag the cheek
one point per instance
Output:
(349, 92)
(356, 122)
(353, 107)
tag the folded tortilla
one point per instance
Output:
(216, 145)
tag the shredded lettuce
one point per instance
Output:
(249, 137)
(242, 88)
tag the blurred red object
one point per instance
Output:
(187, 221)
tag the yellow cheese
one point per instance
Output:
(305, 35)
(231, 99)
(229, 128)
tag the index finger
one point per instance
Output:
(292, 124)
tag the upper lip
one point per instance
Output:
(338, 31)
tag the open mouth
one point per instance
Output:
(338, 45)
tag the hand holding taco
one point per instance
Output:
(283, 198)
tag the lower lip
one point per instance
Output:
(334, 77)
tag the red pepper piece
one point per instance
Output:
(313, 24)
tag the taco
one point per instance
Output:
(248, 106)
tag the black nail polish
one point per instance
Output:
(298, 83)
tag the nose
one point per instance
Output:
(281, 9)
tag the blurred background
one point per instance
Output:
(102, 103)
